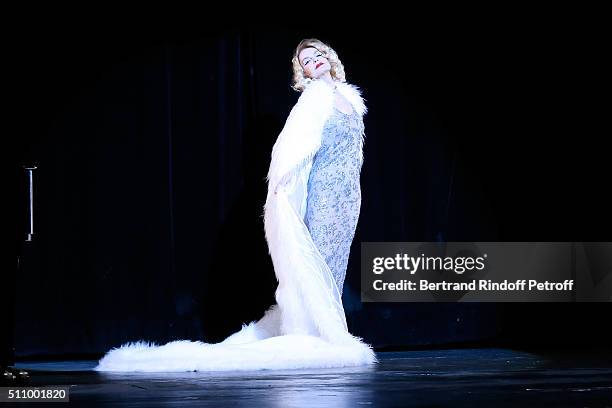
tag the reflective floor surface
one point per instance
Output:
(490, 377)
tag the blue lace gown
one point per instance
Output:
(334, 191)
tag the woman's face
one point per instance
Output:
(313, 62)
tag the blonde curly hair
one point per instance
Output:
(300, 81)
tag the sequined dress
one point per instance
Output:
(334, 191)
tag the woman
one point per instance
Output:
(334, 193)
(310, 216)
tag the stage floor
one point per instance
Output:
(490, 377)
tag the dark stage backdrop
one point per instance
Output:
(153, 145)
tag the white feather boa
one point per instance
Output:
(307, 327)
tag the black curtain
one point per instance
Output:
(152, 148)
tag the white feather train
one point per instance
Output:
(307, 327)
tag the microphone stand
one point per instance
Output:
(12, 376)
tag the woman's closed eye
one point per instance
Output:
(307, 60)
